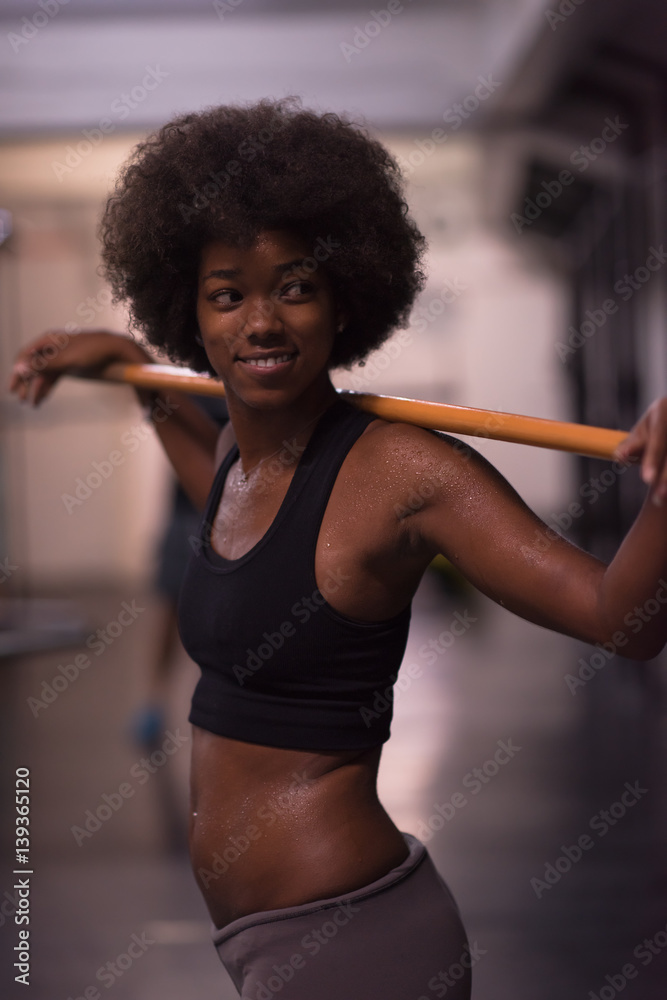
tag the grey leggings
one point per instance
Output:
(399, 938)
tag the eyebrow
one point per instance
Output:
(234, 272)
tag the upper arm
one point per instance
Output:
(473, 516)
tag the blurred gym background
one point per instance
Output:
(532, 138)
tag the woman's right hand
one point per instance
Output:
(39, 365)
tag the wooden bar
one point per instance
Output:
(597, 442)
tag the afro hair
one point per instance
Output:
(229, 173)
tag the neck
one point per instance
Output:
(261, 433)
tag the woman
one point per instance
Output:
(268, 245)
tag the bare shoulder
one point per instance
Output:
(390, 436)
(431, 465)
(399, 446)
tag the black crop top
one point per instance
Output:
(280, 667)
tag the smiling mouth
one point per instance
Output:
(268, 362)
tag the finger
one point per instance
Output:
(42, 386)
(20, 380)
(656, 445)
(659, 490)
(631, 447)
(29, 367)
(27, 363)
(659, 481)
(31, 388)
(30, 385)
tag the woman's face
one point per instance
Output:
(267, 317)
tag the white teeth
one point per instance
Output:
(268, 362)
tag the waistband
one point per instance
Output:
(416, 856)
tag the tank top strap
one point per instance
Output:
(300, 515)
(336, 431)
(206, 521)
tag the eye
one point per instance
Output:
(297, 289)
(226, 297)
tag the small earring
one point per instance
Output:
(341, 326)
(198, 340)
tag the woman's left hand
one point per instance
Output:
(648, 441)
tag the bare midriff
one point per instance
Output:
(271, 828)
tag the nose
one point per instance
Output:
(262, 318)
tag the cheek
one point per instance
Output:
(202, 314)
(218, 330)
(318, 338)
